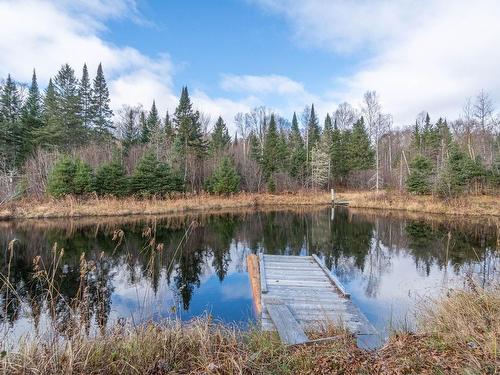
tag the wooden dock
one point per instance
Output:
(294, 294)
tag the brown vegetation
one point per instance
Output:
(470, 205)
(459, 335)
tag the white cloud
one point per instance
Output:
(44, 35)
(423, 55)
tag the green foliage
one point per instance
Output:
(313, 130)
(101, 113)
(110, 179)
(338, 150)
(361, 155)
(225, 179)
(85, 93)
(419, 180)
(220, 139)
(460, 171)
(152, 177)
(270, 149)
(69, 176)
(297, 152)
(83, 179)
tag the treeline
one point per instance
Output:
(66, 140)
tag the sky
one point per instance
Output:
(419, 55)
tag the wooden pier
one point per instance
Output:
(294, 294)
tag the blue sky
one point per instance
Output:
(236, 54)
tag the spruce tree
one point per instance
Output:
(152, 177)
(220, 138)
(61, 178)
(255, 151)
(297, 150)
(144, 128)
(83, 179)
(31, 116)
(361, 155)
(110, 179)
(85, 93)
(313, 130)
(270, 150)
(419, 179)
(168, 129)
(11, 128)
(130, 133)
(101, 112)
(338, 152)
(189, 138)
(68, 113)
(52, 131)
(225, 179)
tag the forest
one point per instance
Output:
(66, 140)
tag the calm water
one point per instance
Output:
(193, 265)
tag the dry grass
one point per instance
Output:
(459, 335)
(470, 205)
(71, 207)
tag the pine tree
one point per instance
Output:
(313, 130)
(31, 116)
(270, 150)
(110, 179)
(11, 129)
(255, 151)
(189, 138)
(225, 179)
(83, 179)
(60, 181)
(68, 113)
(52, 131)
(297, 151)
(419, 179)
(338, 152)
(85, 94)
(361, 155)
(220, 138)
(131, 133)
(152, 177)
(144, 128)
(153, 122)
(101, 112)
(168, 129)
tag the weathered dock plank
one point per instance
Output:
(289, 330)
(300, 293)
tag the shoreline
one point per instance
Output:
(466, 206)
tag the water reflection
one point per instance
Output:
(151, 268)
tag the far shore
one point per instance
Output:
(469, 205)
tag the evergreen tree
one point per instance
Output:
(83, 179)
(225, 179)
(255, 151)
(313, 130)
(220, 138)
(460, 171)
(361, 155)
(85, 93)
(419, 179)
(338, 152)
(60, 181)
(152, 177)
(270, 150)
(297, 151)
(130, 133)
(52, 131)
(31, 117)
(153, 120)
(189, 138)
(111, 179)
(68, 113)
(11, 139)
(144, 128)
(101, 112)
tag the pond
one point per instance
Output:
(150, 268)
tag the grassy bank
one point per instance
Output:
(459, 335)
(471, 205)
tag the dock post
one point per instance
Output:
(333, 196)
